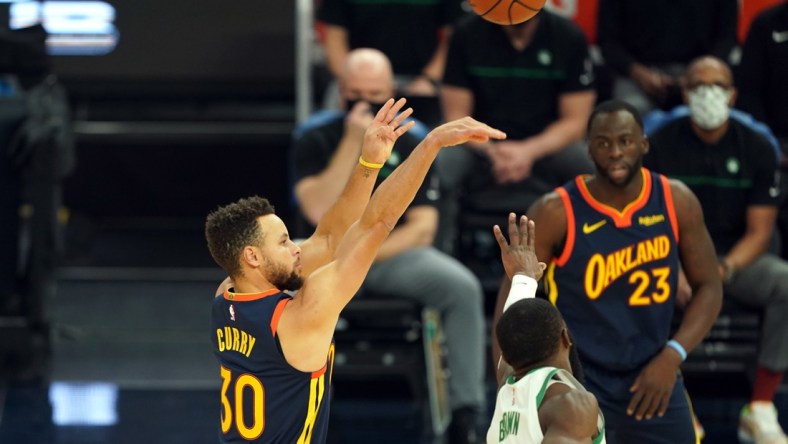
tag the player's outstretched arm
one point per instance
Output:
(548, 213)
(391, 199)
(519, 259)
(319, 249)
(314, 311)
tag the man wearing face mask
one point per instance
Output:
(732, 168)
(407, 265)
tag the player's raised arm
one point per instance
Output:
(548, 213)
(319, 249)
(308, 322)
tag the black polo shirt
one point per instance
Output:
(738, 171)
(517, 91)
(763, 89)
(405, 30)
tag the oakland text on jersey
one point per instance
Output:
(602, 270)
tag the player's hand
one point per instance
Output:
(358, 119)
(519, 255)
(384, 130)
(466, 129)
(654, 385)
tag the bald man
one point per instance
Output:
(407, 266)
(732, 168)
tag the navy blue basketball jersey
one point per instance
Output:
(615, 280)
(263, 398)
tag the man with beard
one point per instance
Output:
(275, 350)
(613, 241)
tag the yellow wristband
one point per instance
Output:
(376, 166)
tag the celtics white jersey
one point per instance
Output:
(516, 418)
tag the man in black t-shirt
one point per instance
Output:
(733, 171)
(407, 265)
(763, 90)
(535, 82)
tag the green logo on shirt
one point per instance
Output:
(732, 165)
(544, 57)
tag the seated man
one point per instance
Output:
(407, 265)
(733, 171)
(763, 91)
(535, 82)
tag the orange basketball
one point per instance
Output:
(506, 12)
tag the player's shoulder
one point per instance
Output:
(676, 186)
(685, 203)
(550, 204)
(569, 409)
(550, 216)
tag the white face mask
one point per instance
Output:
(709, 106)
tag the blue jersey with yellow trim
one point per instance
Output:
(263, 398)
(615, 280)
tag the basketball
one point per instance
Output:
(506, 12)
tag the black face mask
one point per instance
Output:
(373, 106)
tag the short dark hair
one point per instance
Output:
(528, 332)
(230, 228)
(612, 106)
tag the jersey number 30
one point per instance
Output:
(246, 384)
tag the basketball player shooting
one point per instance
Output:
(276, 355)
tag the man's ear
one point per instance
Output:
(734, 94)
(565, 340)
(251, 256)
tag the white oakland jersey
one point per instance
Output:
(516, 418)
